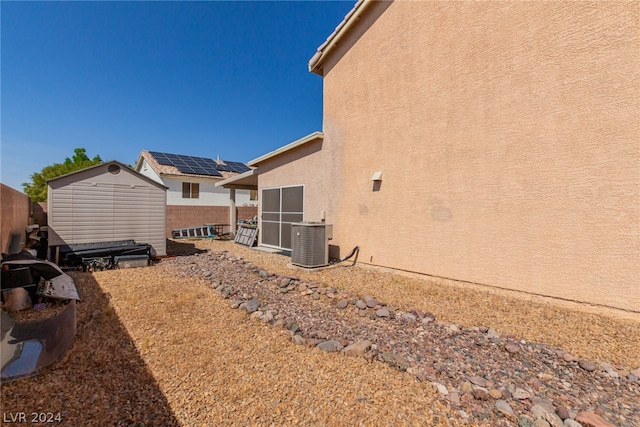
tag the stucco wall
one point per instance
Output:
(301, 166)
(15, 215)
(508, 137)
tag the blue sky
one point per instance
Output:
(197, 78)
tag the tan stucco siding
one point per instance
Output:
(304, 165)
(509, 139)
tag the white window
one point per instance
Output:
(190, 190)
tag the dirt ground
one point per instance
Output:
(156, 349)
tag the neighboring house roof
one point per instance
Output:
(311, 137)
(106, 166)
(315, 63)
(190, 166)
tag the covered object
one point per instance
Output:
(105, 203)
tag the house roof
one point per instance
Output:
(316, 61)
(305, 139)
(106, 165)
(247, 181)
(183, 165)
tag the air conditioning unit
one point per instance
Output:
(310, 244)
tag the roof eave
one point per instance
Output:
(317, 60)
(305, 139)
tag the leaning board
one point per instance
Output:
(246, 235)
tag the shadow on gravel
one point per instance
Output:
(182, 248)
(102, 379)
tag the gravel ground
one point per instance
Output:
(163, 346)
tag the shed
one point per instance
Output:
(107, 202)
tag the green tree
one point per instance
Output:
(37, 188)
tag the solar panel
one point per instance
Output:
(198, 165)
(233, 167)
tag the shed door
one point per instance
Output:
(280, 207)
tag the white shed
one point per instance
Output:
(107, 202)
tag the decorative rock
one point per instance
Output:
(428, 318)
(512, 347)
(466, 398)
(568, 357)
(492, 334)
(395, 361)
(372, 303)
(409, 317)
(571, 423)
(478, 381)
(454, 398)
(480, 394)
(236, 303)
(330, 346)
(343, 303)
(587, 366)
(562, 412)
(632, 378)
(315, 296)
(263, 274)
(525, 421)
(285, 282)
(495, 393)
(466, 387)
(382, 312)
(284, 290)
(544, 403)
(361, 304)
(612, 373)
(504, 408)
(252, 305)
(452, 329)
(419, 314)
(358, 348)
(442, 389)
(298, 340)
(540, 412)
(521, 394)
(591, 419)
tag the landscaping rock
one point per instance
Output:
(587, 366)
(504, 408)
(252, 305)
(358, 348)
(330, 346)
(591, 419)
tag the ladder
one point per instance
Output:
(203, 231)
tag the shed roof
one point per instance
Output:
(106, 165)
